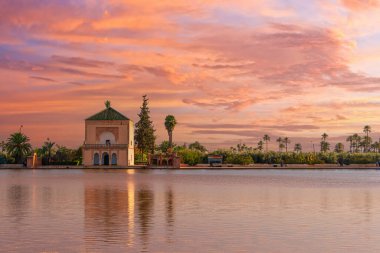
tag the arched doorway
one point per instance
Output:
(96, 159)
(114, 159)
(106, 159)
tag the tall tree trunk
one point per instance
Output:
(170, 139)
(367, 143)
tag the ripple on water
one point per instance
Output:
(189, 211)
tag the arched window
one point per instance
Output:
(114, 159)
(96, 159)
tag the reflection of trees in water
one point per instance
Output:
(361, 201)
(351, 200)
(106, 214)
(18, 201)
(169, 197)
(144, 198)
(111, 212)
(169, 201)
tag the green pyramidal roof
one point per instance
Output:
(108, 114)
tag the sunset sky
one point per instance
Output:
(229, 71)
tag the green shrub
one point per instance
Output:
(3, 158)
(140, 158)
(239, 158)
(362, 158)
(327, 157)
(190, 156)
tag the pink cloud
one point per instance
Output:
(221, 103)
(81, 62)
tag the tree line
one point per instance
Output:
(17, 146)
(357, 143)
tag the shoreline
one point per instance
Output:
(203, 167)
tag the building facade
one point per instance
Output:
(109, 139)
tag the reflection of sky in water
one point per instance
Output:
(189, 211)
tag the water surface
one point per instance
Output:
(189, 211)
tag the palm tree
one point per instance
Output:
(362, 145)
(48, 146)
(325, 146)
(297, 147)
(279, 140)
(366, 130)
(367, 142)
(260, 145)
(350, 140)
(339, 147)
(356, 140)
(281, 146)
(286, 142)
(18, 146)
(266, 138)
(374, 146)
(170, 123)
(242, 147)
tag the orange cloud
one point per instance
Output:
(210, 62)
(359, 5)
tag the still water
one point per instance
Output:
(189, 211)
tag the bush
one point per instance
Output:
(140, 158)
(3, 158)
(190, 156)
(239, 158)
(362, 158)
(327, 157)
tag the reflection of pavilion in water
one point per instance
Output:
(115, 216)
(109, 214)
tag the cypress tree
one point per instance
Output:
(144, 131)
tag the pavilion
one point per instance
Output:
(109, 139)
